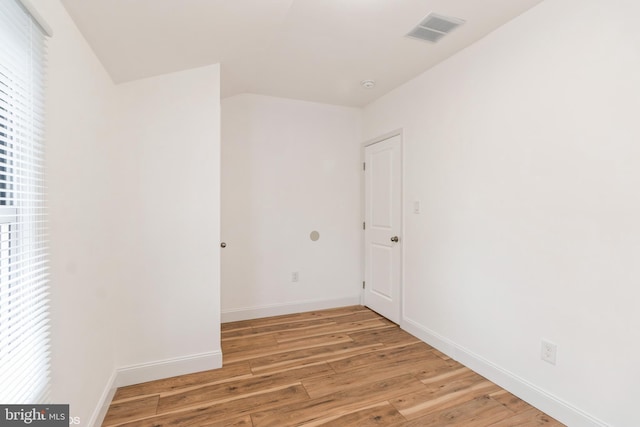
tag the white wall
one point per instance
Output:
(171, 304)
(83, 209)
(288, 168)
(524, 152)
(133, 176)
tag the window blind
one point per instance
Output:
(24, 293)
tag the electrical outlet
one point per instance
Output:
(548, 352)
(294, 276)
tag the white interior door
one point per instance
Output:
(383, 226)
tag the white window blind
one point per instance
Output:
(24, 294)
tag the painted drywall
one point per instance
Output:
(523, 150)
(84, 203)
(172, 309)
(289, 168)
(133, 179)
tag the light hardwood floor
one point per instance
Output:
(341, 367)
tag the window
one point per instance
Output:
(24, 306)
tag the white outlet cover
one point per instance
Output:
(548, 352)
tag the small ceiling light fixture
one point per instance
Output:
(368, 84)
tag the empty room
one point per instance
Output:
(319, 212)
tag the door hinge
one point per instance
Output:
(363, 284)
(364, 225)
(364, 166)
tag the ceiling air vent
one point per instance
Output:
(434, 27)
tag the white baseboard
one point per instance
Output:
(143, 372)
(103, 404)
(235, 314)
(541, 399)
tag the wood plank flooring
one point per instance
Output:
(345, 367)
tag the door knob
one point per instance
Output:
(395, 239)
(223, 245)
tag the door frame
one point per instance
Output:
(397, 132)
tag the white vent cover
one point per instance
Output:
(434, 27)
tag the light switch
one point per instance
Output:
(416, 207)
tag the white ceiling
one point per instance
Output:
(317, 50)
